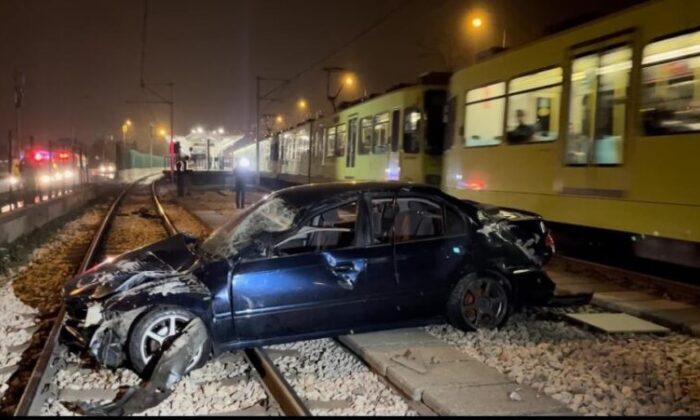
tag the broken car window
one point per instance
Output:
(340, 223)
(272, 215)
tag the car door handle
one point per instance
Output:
(344, 268)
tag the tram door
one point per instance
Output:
(394, 164)
(411, 162)
(352, 143)
(598, 120)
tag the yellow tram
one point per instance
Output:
(595, 127)
(397, 135)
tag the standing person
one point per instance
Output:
(240, 173)
(180, 178)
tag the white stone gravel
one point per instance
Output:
(198, 393)
(592, 372)
(31, 281)
(15, 318)
(324, 371)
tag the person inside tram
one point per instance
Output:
(522, 132)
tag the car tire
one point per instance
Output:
(158, 321)
(467, 301)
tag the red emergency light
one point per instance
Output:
(39, 155)
(63, 155)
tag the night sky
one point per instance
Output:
(81, 57)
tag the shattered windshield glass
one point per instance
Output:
(271, 215)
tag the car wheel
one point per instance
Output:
(478, 302)
(150, 332)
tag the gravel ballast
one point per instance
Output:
(223, 385)
(35, 289)
(335, 382)
(591, 372)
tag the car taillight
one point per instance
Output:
(549, 242)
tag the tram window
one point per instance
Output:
(381, 133)
(411, 130)
(533, 104)
(671, 89)
(330, 141)
(599, 84)
(319, 142)
(484, 114)
(340, 140)
(302, 144)
(365, 136)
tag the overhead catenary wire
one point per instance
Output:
(382, 19)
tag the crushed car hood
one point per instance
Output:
(154, 262)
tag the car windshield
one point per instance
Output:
(271, 215)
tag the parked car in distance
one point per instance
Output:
(315, 261)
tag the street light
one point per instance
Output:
(163, 133)
(477, 21)
(279, 119)
(221, 130)
(302, 104)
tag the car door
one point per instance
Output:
(432, 247)
(315, 285)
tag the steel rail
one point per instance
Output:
(648, 278)
(290, 403)
(35, 392)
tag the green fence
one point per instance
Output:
(136, 159)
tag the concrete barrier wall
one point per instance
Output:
(131, 175)
(23, 221)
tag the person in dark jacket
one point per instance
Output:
(240, 174)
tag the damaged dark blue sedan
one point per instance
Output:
(316, 261)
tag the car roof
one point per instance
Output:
(304, 195)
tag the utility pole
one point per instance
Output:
(311, 142)
(19, 99)
(259, 98)
(148, 87)
(150, 147)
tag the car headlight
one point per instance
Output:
(14, 180)
(103, 168)
(45, 179)
(68, 174)
(94, 315)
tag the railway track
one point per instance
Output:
(279, 391)
(134, 199)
